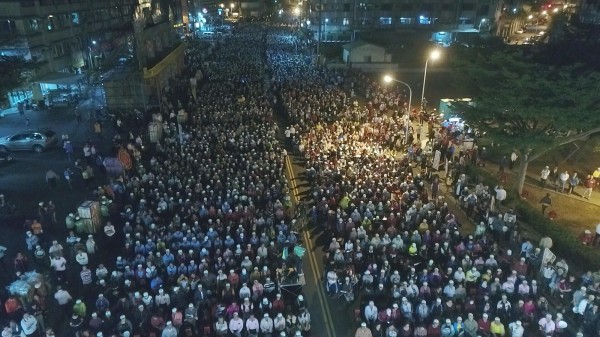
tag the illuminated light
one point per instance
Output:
(94, 42)
(204, 10)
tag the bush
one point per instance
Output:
(566, 244)
(488, 179)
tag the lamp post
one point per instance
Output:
(389, 79)
(434, 55)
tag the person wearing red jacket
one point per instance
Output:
(434, 329)
(484, 325)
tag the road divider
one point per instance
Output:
(311, 256)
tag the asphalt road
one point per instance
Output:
(23, 183)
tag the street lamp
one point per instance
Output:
(434, 55)
(389, 79)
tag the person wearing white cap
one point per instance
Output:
(470, 326)
(279, 323)
(484, 324)
(236, 324)
(124, 325)
(547, 325)
(447, 329)
(363, 331)
(304, 320)
(266, 325)
(221, 327)
(169, 330)
(516, 329)
(497, 328)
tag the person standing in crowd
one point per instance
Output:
(52, 178)
(544, 176)
(214, 197)
(546, 202)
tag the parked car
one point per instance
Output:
(37, 141)
(5, 158)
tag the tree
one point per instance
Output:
(526, 105)
(15, 72)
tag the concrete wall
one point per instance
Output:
(361, 54)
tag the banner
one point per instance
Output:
(547, 257)
(436, 160)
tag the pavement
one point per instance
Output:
(23, 183)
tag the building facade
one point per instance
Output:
(340, 19)
(66, 37)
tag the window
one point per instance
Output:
(34, 25)
(384, 21)
(386, 7)
(346, 7)
(345, 22)
(406, 7)
(423, 20)
(7, 26)
(405, 21)
(75, 18)
(55, 51)
(17, 138)
(468, 7)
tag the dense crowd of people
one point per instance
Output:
(198, 238)
(395, 243)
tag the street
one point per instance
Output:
(22, 181)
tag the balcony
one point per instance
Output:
(58, 35)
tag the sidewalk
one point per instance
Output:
(532, 181)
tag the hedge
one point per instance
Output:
(565, 243)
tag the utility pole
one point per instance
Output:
(354, 22)
(319, 33)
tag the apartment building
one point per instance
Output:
(63, 36)
(68, 36)
(340, 18)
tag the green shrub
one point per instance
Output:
(566, 245)
(488, 179)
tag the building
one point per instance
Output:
(157, 58)
(67, 37)
(589, 11)
(341, 19)
(361, 51)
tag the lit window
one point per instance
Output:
(384, 21)
(345, 22)
(34, 25)
(51, 24)
(405, 21)
(75, 18)
(423, 20)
